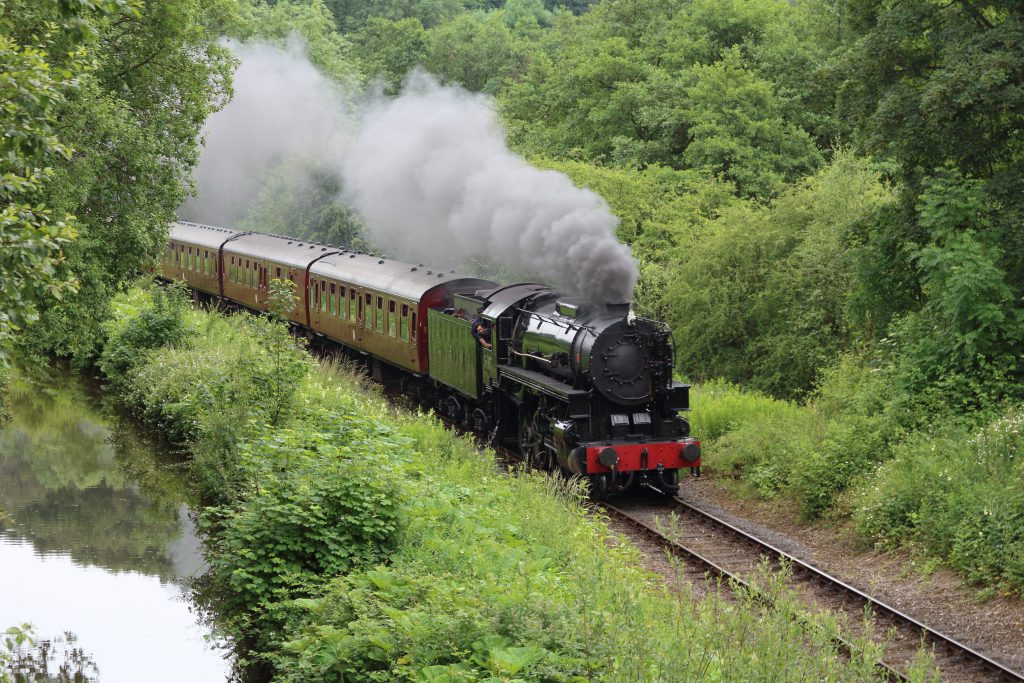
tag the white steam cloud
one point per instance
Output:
(429, 172)
(284, 113)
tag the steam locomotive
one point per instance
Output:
(584, 388)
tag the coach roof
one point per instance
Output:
(380, 274)
(203, 235)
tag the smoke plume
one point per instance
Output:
(284, 113)
(428, 171)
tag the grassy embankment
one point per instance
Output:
(350, 541)
(952, 490)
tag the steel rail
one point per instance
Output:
(1004, 672)
(991, 666)
(681, 551)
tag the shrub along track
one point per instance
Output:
(711, 546)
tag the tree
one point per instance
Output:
(133, 121)
(478, 51)
(691, 85)
(737, 131)
(39, 71)
(935, 88)
(389, 49)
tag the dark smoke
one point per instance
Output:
(429, 171)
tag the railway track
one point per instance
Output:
(711, 546)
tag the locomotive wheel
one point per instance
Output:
(531, 441)
(481, 424)
(453, 408)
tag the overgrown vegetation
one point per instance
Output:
(350, 541)
(825, 199)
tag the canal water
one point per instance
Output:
(96, 545)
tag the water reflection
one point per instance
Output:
(96, 537)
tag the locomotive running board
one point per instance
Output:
(578, 400)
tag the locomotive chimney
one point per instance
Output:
(618, 310)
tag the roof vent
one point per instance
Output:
(380, 262)
(323, 248)
(300, 244)
(440, 274)
(430, 272)
(289, 241)
(414, 269)
(351, 255)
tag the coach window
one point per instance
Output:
(248, 274)
(392, 323)
(368, 312)
(323, 296)
(342, 304)
(278, 276)
(206, 262)
(413, 328)
(353, 305)
(380, 314)
(334, 301)
(404, 323)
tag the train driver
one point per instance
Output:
(482, 333)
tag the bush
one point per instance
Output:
(156, 320)
(318, 517)
(809, 453)
(719, 407)
(956, 495)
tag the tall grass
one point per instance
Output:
(953, 491)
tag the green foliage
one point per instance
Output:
(158, 322)
(39, 71)
(703, 85)
(214, 384)
(960, 351)
(957, 495)
(134, 121)
(479, 50)
(389, 49)
(737, 130)
(280, 22)
(319, 516)
(760, 298)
